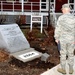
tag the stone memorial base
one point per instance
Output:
(13, 40)
(27, 55)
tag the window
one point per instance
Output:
(71, 1)
(43, 0)
(43, 6)
(23, 0)
(51, 0)
(10, 0)
(72, 5)
(52, 5)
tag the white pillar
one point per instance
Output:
(22, 5)
(31, 24)
(41, 24)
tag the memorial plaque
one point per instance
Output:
(12, 38)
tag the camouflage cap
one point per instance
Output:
(65, 6)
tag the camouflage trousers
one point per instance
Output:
(67, 53)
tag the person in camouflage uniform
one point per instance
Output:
(65, 32)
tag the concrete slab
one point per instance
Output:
(53, 71)
(44, 57)
(27, 55)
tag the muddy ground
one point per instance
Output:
(41, 42)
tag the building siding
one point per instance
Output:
(59, 4)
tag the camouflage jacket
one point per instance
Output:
(65, 28)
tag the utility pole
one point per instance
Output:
(49, 14)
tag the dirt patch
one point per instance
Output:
(42, 43)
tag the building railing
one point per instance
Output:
(22, 6)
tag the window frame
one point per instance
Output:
(52, 3)
(44, 5)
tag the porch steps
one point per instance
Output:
(54, 71)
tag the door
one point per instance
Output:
(44, 4)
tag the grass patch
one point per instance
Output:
(35, 32)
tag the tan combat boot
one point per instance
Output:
(71, 69)
(61, 70)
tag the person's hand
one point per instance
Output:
(56, 41)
